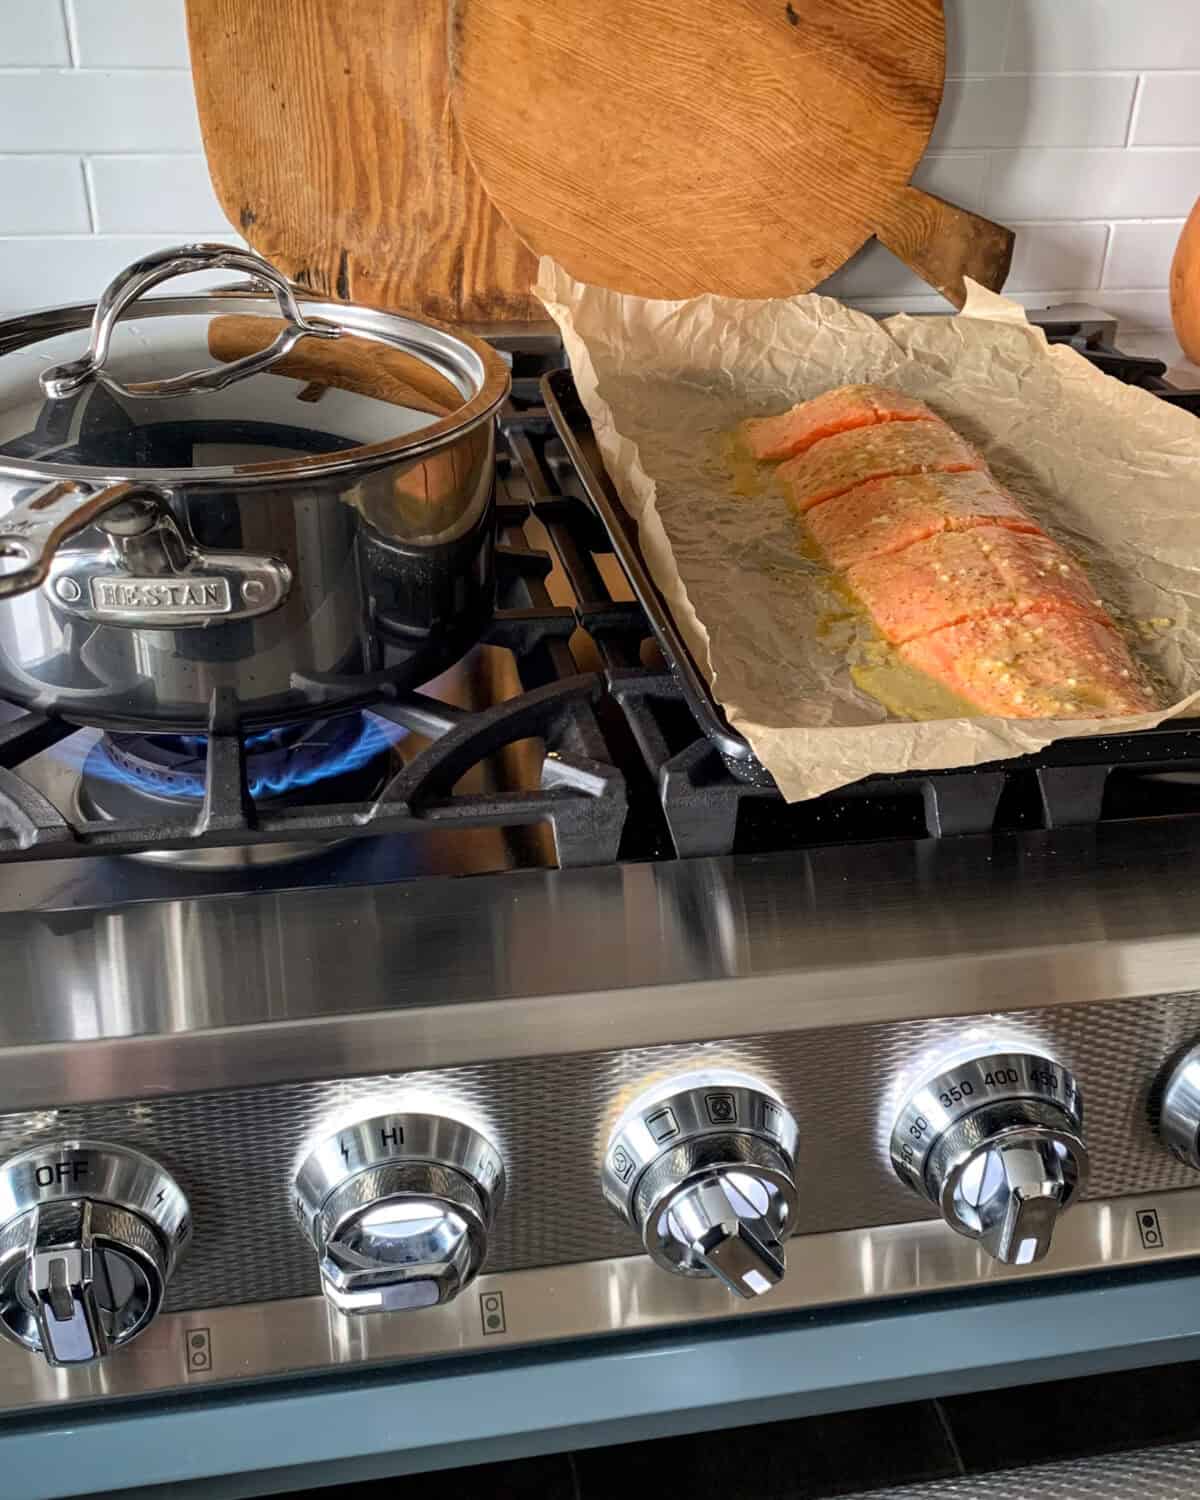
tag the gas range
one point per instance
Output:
(284, 1094)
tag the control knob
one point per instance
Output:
(996, 1143)
(1181, 1109)
(398, 1208)
(702, 1168)
(89, 1236)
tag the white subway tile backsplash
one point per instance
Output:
(1169, 111)
(1140, 255)
(82, 112)
(32, 34)
(958, 179)
(1055, 110)
(1057, 255)
(976, 35)
(1047, 36)
(39, 272)
(42, 195)
(1033, 132)
(139, 194)
(1147, 184)
(1044, 255)
(130, 33)
(1135, 311)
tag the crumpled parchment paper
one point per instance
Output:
(1112, 471)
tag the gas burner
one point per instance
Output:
(128, 777)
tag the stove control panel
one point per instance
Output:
(703, 1168)
(89, 1236)
(996, 1143)
(398, 1208)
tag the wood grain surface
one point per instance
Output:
(332, 146)
(745, 147)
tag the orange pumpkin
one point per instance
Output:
(1185, 287)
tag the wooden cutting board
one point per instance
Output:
(746, 147)
(331, 144)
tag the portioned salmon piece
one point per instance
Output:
(966, 575)
(840, 410)
(843, 462)
(1045, 665)
(887, 515)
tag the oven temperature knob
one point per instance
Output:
(1181, 1109)
(90, 1236)
(703, 1169)
(398, 1208)
(996, 1143)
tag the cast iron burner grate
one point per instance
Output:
(711, 811)
(582, 796)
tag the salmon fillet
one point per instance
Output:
(967, 575)
(887, 515)
(1044, 665)
(843, 462)
(840, 410)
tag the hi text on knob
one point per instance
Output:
(91, 1240)
(703, 1168)
(996, 1143)
(398, 1209)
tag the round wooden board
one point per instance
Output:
(672, 147)
(331, 144)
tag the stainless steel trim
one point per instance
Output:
(625, 1295)
(135, 998)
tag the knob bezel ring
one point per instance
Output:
(979, 1083)
(117, 1176)
(656, 1125)
(404, 1138)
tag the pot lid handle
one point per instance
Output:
(135, 280)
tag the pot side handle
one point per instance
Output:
(34, 530)
(136, 280)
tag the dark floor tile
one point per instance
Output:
(1070, 1418)
(548, 1478)
(817, 1456)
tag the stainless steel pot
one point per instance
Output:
(301, 522)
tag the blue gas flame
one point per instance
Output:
(274, 765)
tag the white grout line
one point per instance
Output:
(89, 192)
(1135, 108)
(1108, 244)
(68, 15)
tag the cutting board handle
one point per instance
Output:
(942, 243)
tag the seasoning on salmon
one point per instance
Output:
(1045, 665)
(841, 410)
(966, 575)
(887, 515)
(843, 462)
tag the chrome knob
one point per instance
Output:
(702, 1168)
(89, 1236)
(996, 1143)
(1181, 1109)
(398, 1209)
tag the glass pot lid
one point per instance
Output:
(230, 383)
